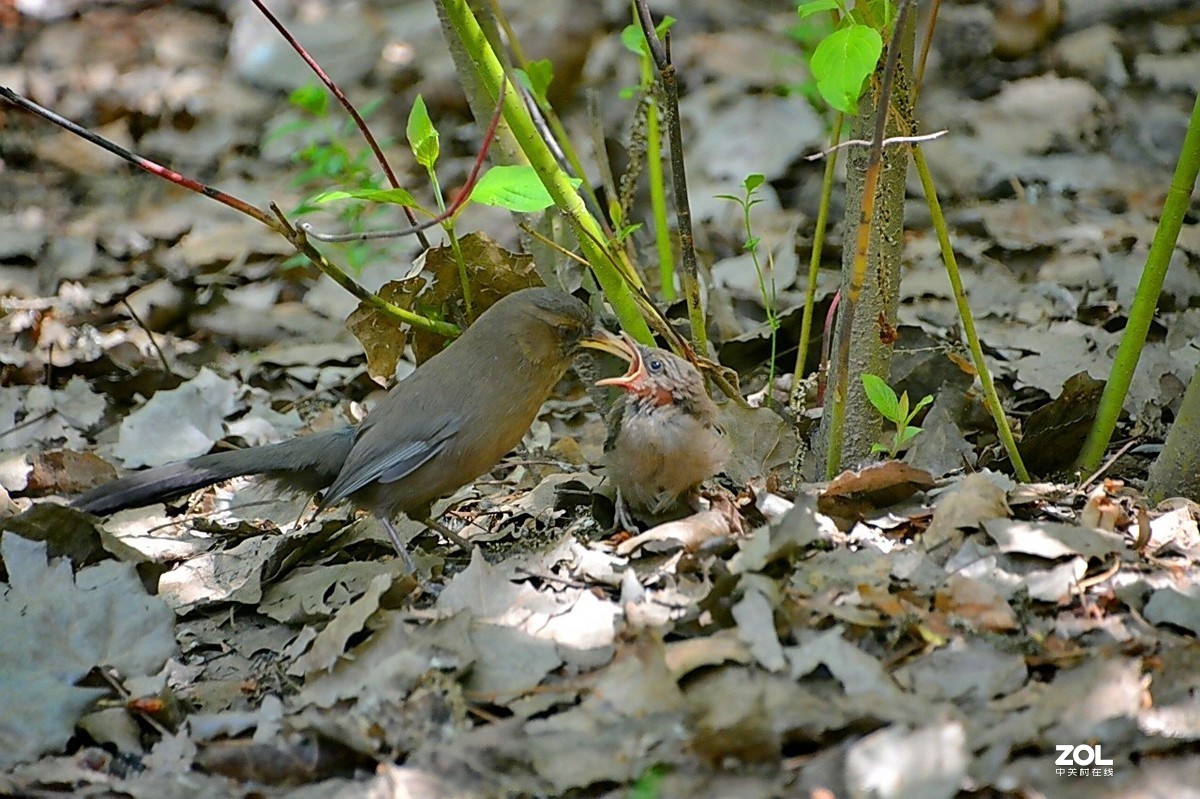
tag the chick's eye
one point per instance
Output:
(654, 365)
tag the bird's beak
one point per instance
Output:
(624, 347)
(606, 341)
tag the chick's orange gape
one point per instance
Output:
(664, 436)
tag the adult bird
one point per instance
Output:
(448, 422)
(664, 436)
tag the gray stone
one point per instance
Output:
(22, 236)
(1079, 14)
(1093, 55)
(1168, 38)
(1169, 72)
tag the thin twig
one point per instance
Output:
(926, 45)
(27, 422)
(602, 162)
(298, 236)
(126, 697)
(1094, 476)
(350, 109)
(138, 161)
(886, 142)
(275, 220)
(991, 399)
(153, 341)
(683, 210)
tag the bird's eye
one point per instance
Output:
(654, 365)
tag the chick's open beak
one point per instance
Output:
(623, 347)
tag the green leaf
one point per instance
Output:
(310, 98)
(842, 62)
(287, 129)
(632, 38)
(422, 136)
(909, 434)
(517, 188)
(816, 6)
(884, 11)
(879, 448)
(626, 232)
(537, 77)
(635, 41)
(392, 196)
(648, 785)
(615, 212)
(882, 397)
(752, 182)
(924, 401)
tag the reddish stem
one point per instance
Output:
(459, 201)
(142, 163)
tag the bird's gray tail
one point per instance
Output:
(308, 463)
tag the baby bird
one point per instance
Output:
(664, 437)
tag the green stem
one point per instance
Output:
(490, 74)
(769, 298)
(814, 263)
(658, 190)
(551, 117)
(837, 411)
(374, 300)
(455, 247)
(990, 398)
(1141, 313)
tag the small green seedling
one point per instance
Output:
(766, 288)
(895, 410)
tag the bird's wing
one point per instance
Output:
(404, 461)
(613, 422)
(387, 464)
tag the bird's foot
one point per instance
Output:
(622, 518)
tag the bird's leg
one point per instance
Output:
(448, 534)
(622, 518)
(401, 550)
